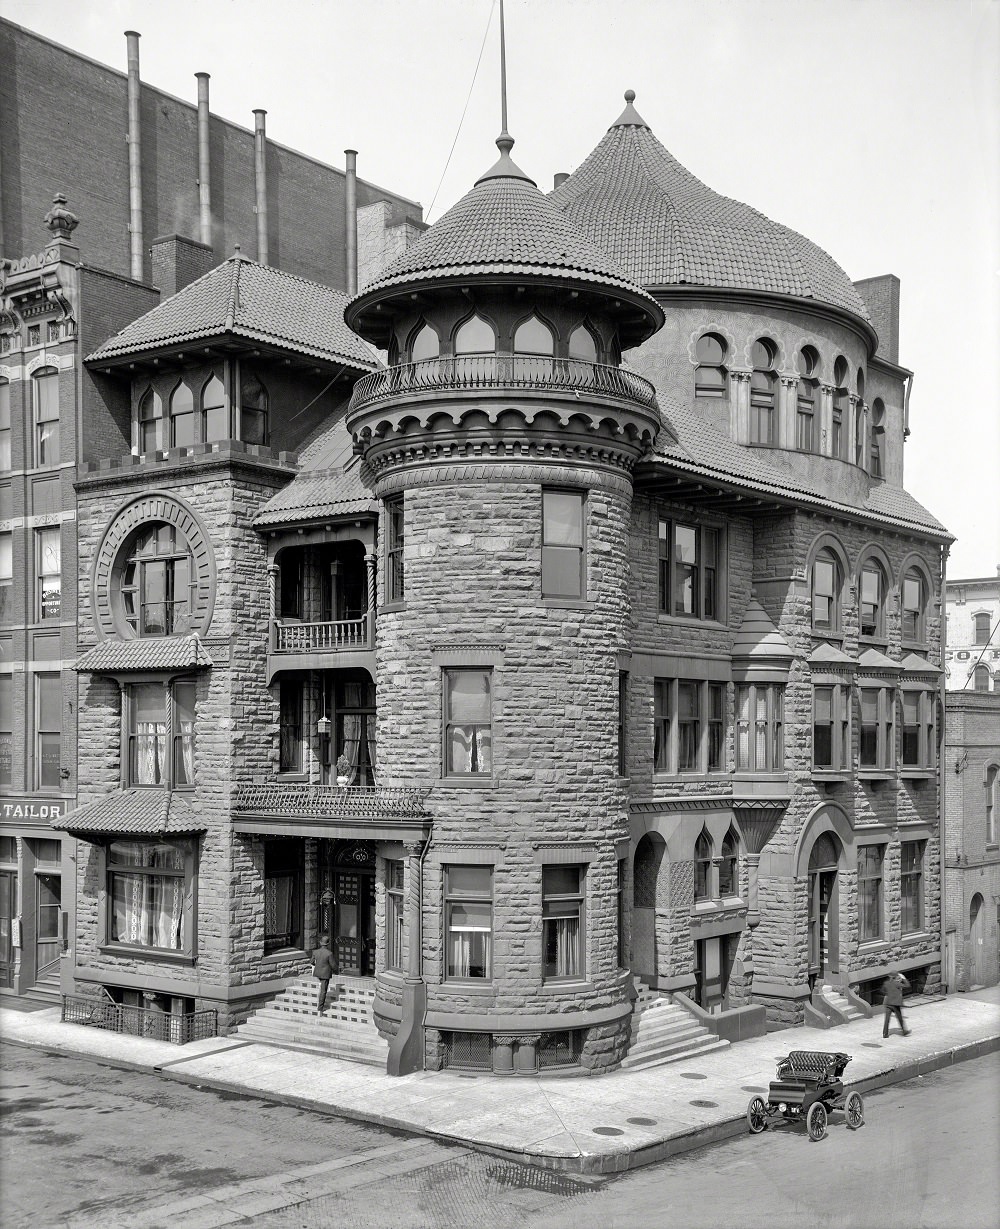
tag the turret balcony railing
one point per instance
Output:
(475, 372)
(338, 635)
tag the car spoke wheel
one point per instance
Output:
(756, 1116)
(816, 1121)
(855, 1111)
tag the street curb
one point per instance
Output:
(594, 1165)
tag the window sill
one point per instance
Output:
(869, 947)
(286, 953)
(718, 775)
(918, 936)
(484, 989)
(830, 776)
(565, 603)
(918, 774)
(876, 776)
(689, 621)
(875, 642)
(390, 608)
(553, 986)
(293, 778)
(472, 781)
(146, 953)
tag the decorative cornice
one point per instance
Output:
(686, 802)
(389, 480)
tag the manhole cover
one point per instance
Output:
(642, 1122)
(751, 1088)
(692, 1075)
(872, 1045)
(708, 1105)
(607, 1131)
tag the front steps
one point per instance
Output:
(829, 1008)
(841, 1004)
(345, 1030)
(663, 1032)
(46, 990)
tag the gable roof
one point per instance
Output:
(243, 299)
(664, 227)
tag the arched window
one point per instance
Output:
(532, 336)
(475, 336)
(253, 408)
(5, 453)
(860, 432)
(181, 416)
(157, 581)
(981, 678)
(991, 804)
(214, 411)
(45, 386)
(703, 867)
(711, 378)
(728, 880)
(582, 345)
(840, 409)
(878, 430)
(861, 385)
(912, 600)
(149, 417)
(762, 385)
(827, 583)
(425, 344)
(872, 598)
(806, 363)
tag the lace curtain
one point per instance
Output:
(148, 909)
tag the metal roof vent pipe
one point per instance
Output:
(134, 157)
(559, 179)
(260, 181)
(351, 220)
(204, 163)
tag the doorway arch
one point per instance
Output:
(649, 871)
(824, 906)
(976, 941)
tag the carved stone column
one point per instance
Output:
(526, 1057)
(787, 411)
(503, 1055)
(858, 432)
(739, 405)
(824, 415)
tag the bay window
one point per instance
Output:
(150, 893)
(760, 727)
(831, 727)
(869, 892)
(468, 922)
(689, 570)
(689, 726)
(468, 729)
(160, 734)
(919, 733)
(877, 750)
(563, 922)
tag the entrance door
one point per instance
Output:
(348, 903)
(48, 899)
(976, 932)
(824, 946)
(8, 905)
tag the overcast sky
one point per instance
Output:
(871, 126)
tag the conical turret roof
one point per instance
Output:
(664, 227)
(505, 229)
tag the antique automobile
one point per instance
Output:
(809, 1087)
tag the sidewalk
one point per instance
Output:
(599, 1125)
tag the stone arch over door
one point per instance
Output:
(650, 870)
(977, 930)
(824, 851)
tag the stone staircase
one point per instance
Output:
(664, 1032)
(46, 990)
(841, 1009)
(345, 1030)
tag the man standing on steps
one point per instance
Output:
(324, 967)
(895, 984)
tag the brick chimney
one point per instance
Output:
(178, 261)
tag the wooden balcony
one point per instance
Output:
(331, 644)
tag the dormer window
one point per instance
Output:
(582, 345)
(711, 378)
(425, 345)
(149, 417)
(253, 409)
(181, 417)
(214, 411)
(762, 385)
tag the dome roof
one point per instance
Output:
(666, 228)
(504, 229)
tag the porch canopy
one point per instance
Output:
(377, 812)
(133, 812)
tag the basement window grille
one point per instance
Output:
(468, 1051)
(561, 1049)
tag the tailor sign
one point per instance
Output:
(31, 810)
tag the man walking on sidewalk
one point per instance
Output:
(323, 969)
(892, 1001)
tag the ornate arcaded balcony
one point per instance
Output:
(480, 372)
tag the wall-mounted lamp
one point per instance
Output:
(323, 727)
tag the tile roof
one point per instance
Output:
(329, 483)
(758, 636)
(242, 298)
(144, 653)
(692, 445)
(133, 812)
(664, 227)
(505, 226)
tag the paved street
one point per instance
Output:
(137, 1147)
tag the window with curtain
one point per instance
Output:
(283, 892)
(148, 886)
(254, 404)
(563, 544)
(354, 701)
(760, 727)
(290, 749)
(157, 582)
(394, 913)
(563, 922)
(181, 416)
(869, 892)
(689, 725)
(690, 558)
(214, 411)
(703, 867)
(48, 556)
(468, 923)
(468, 728)
(45, 385)
(160, 724)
